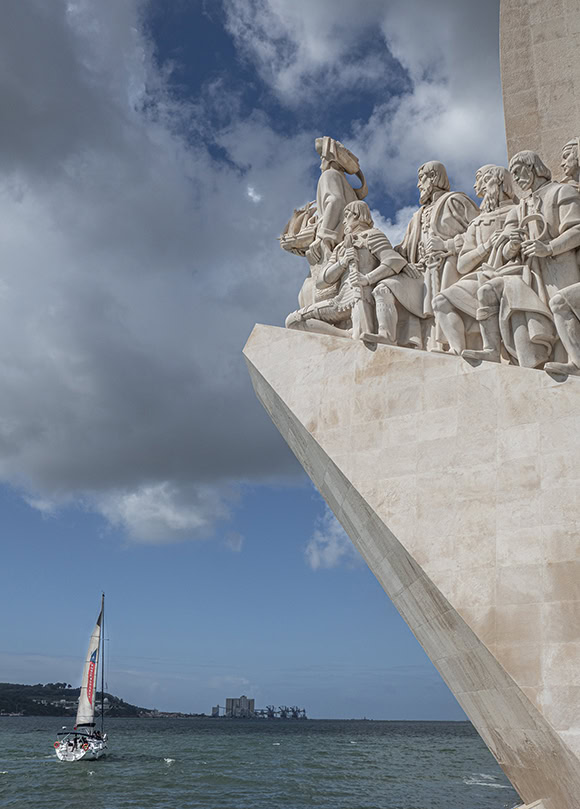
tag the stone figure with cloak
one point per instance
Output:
(364, 257)
(565, 304)
(456, 306)
(536, 258)
(430, 248)
(316, 229)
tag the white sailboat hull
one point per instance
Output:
(94, 749)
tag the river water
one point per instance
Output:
(260, 764)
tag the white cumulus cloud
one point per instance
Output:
(329, 546)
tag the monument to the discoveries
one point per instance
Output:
(430, 391)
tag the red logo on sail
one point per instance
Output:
(91, 677)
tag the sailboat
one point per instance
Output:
(83, 742)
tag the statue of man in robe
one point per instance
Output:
(456, 307)
(364, 257)
(536, 258)
(430, 248)
(315, 234)
(333, 193)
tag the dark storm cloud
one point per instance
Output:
(134, 262)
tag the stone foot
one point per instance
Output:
(368, 337)
(562, 368)
(487, 354)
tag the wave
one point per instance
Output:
(484, 780)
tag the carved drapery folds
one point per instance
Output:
(499, 283)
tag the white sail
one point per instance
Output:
(86, 709)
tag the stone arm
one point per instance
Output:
(391, 263)
(449, 232)
(472, 254)
(569, 215)
(511, 236)
(569, 240)
(330, 274)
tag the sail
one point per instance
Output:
(86, 709)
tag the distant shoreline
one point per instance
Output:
(256, 721)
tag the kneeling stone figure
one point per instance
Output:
(361, 260)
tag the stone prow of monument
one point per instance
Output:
(459, 485)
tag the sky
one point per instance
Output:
(150, 155)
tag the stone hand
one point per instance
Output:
(533, 247)
(362, 280)
(435, 261)
(314, 252)
(515, 235)
(496, 240)
(412, 270)
(435, 244)
(348, 257)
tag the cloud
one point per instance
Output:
(394, 228)
(253, 194)
(434, 69)
(154, 513)
(234, 541)
(134, 266)
(305, 50)
(137, 249)
(329, 546)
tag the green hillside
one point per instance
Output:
(56, 699)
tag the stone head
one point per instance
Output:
(495, 185)
(570, 156)
(480, 179)
(529, 170)
(432, 177)
(357, 216)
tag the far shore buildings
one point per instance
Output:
(244, 708)
(240, 707)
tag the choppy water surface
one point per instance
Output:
(229, 764)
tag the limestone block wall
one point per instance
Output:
(540, 68)
(459, 486)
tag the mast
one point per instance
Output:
(103, 664)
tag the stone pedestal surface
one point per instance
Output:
(459, 486)
(540, 70)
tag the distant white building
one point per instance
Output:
(240, 708)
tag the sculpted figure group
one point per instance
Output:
(500, 282)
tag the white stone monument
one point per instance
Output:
(443, 429)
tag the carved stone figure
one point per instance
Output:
(431, 244)
(314, 233)
(364, 257)
(570, 163)
(456, 307)
(333, 193)
(537, 254)
(565, 306)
